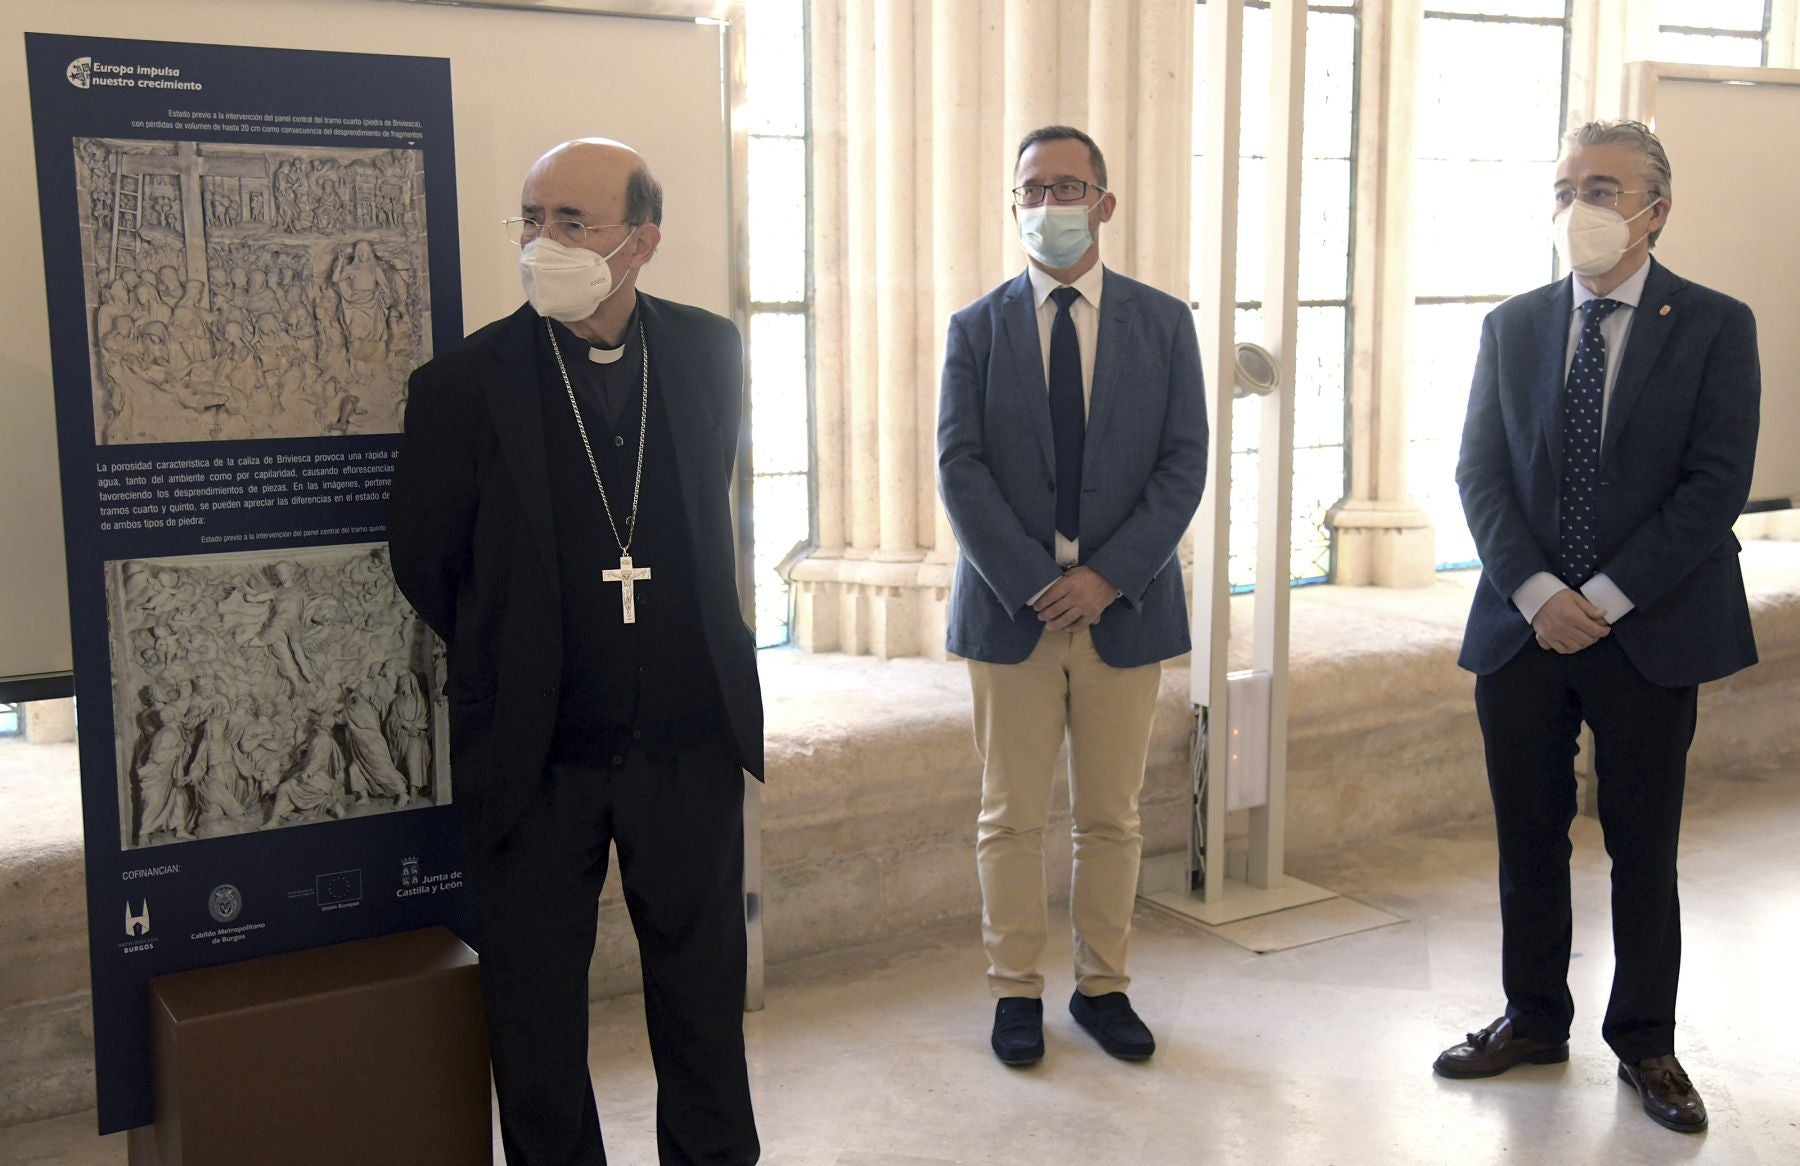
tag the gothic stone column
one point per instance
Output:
(917, 109)
(1384, 537)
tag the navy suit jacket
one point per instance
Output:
(1142, 472)
(1675, 462)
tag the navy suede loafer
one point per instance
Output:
(1018, 1030)
(1110, 1020)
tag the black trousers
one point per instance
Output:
(677, 819)
(1531, 712)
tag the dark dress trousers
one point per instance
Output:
(572, 731)
(1675, 462)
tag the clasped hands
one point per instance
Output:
(1076, 600)
(1569, 622)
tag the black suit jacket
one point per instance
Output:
(474, 546)
(1675, 463)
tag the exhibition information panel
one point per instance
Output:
(247, 251)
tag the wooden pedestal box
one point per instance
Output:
(371, 1052)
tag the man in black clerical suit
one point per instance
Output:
(560, 517)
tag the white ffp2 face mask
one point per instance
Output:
(1591, 239)
(566, 283)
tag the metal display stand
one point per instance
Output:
(753, 900)
(1239, 749)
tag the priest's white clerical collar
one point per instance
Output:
(597, 354)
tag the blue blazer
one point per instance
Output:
(1675, 462)
(1142, 471)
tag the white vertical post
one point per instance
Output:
(1784, 34)
(734, 49)
(1281, 296)
(1216, 323)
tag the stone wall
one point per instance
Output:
(869, 814)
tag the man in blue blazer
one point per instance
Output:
(1072, 446)
(1608, 449)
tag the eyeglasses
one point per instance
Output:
(565, 231)
(1069, 190)
(1601, 196)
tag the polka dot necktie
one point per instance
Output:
(1068, 413)
(1583, 400)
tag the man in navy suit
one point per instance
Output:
(1072, 447)
(1608, 449)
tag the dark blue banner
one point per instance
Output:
(246, 250)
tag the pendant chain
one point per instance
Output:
(643, 428)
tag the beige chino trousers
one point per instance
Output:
(1022, 713)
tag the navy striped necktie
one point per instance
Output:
(1584, 400)
(1068, 413)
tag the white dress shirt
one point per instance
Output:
(1600, 591)
(1085, 312)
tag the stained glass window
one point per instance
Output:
(1742, 15)
(780, 302)
(1488, 131)
(1542, 9)
(1713, 32)
(1708, 49)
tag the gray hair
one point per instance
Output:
(1639, 137)
(643, 198)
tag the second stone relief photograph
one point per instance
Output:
(236, 291)
(264, 689)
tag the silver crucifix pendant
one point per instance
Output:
(628, 576)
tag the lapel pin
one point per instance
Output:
(1665, 310)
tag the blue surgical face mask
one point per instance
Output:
(1056, 236)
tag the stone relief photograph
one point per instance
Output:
(240, 292)
(266, 689)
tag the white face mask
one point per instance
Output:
(1591, 240)
(1056, 236)
(566, 283)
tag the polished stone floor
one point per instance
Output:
(1318, 1054)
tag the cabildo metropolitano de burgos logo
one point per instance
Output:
(224, 903)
